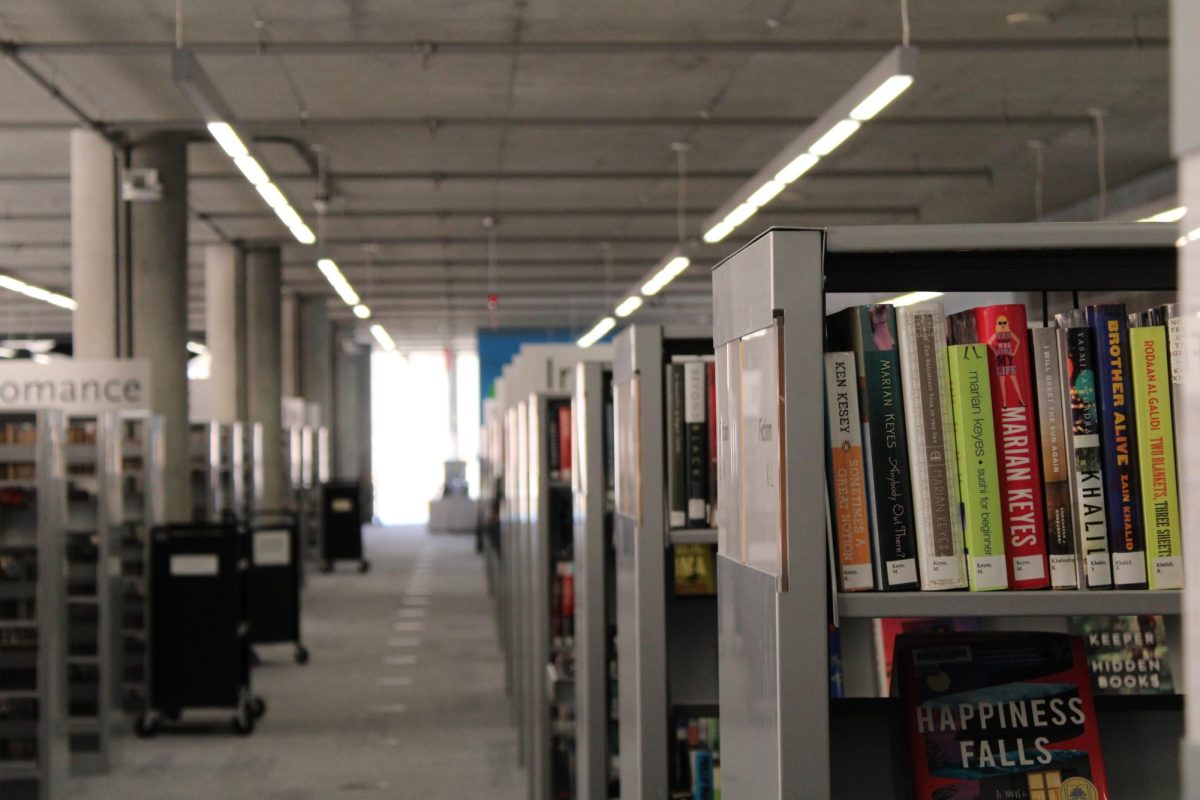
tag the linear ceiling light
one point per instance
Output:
(37, 292)
(362, 312)
(196, 348)
(337, 280)
(383, 337)
(1170, 215)
(195, 84)
(675, 264)
(886, 81)
(597, 332)
(629, 305)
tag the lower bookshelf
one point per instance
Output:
(876, 605)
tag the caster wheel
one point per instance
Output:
(326, 566)
(173, 714)
(301, 654)
(145, 726)
(364, 566)
(254, 659)
(244, 720)
(258, 707)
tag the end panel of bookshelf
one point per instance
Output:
(879, 605)
(692, 536)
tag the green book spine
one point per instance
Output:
(979, 478)
(1156, 455)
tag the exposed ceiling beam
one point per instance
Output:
(1134, 39)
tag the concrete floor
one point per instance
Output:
(404, 696)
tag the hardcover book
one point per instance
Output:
(1126, 654)
(975, 445)
(1002, 328)
(922, 334)
(695, 420)
(870, 332)
(1056, 456)
(852, 531)
(564, 443)
(676, 446)
(1118, 451)
(1150, 375)
(999, 716)
(695, 569)
(1083, 432)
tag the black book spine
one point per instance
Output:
(695, 419)
(676, 462)
(553, 462)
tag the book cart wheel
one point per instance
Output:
(364, 566)
(301, 654)
(146, 725)
(326, 566)
(258, 707)
(243, 721)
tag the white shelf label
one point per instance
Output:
(272, 548)
(194, 566)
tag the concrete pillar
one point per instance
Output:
(290, 340)
(93, 245)
(316, 355)
(264, 376)
(158, 255)
(225, 330)
(352, 412)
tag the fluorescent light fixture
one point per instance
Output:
(839, 133)
(12, 284)
(337, 280)
(41, 358)
(629, 305)
(196, 348)
(800, 165)
(766, 193)
(596, 333)
(876, 90)
(718, 232)
(270, 192)
(37, 293)
(288, 216)
(362, 312)
(668, 273)
(252, 170)
(303, 234)
(913, 298)
(227, 137)
(384, 339)
(7, 352)
(879, 99)
(1170, 215)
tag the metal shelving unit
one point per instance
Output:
(34, 749)
(666, 645)
(595, 584)
(247, 461)
(206, 467)
(781, 735)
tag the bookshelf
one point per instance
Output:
(595, 584)
(247, 441)
(139, 508)
(88, 544)
(549, 662)
(782, 737)
(34, 749)
(666, 644)
(511, 547)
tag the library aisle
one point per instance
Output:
(404, 696)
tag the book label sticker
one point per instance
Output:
(1028, 568)
(1099, 569)
(991, 572)
(1168, 573)
(762, 494)
(193, 566)
(902, 571)
(1129, 567)
(1062, 571)
(272, 548)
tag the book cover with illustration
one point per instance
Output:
(887, 629)
(999, 716)
(1126, 654)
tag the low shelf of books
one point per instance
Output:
(88, 545)
(33, 690)
(664, 385)
(551, 610)
(513, 547)
(596, 688)
(998, 499)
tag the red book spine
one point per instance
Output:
(1003, 329)
(712, 442)
(564, 442)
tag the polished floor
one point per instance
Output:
(404, 696)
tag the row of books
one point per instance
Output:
(973, 452)
(696, 759)
(695, 569)
(562, 611)
(559, 433)
(18, 432)
(691, 439)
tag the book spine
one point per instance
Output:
(1118, 439)
(564, 442)
(554, 451)
(922, 334)
(676, 463)
(710, 378)
(1150, 374)
(695, 412)
(975, 446)
(884, 443)
(1002, 328)
(1087, 480)
(852, 533)
(1174, 323)
(1056, 457)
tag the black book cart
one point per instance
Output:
(341, 525)
(275, 580)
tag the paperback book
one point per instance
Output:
(1056, 456)
(1126, 654)
(846, 474)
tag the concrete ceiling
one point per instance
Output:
(557, 120)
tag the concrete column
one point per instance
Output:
(316, 355)
(158, 254)
(352, 412)
(290, 341)
(264, 384)
(225, 329)
(93, 245)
